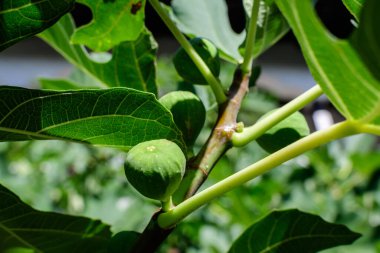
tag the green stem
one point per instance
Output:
(250, 39)
(251, 133)
(167, 205)
(340, 130)
(198, 61)
(370, 129)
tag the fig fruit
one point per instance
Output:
(284, 133)
(188, 70)
(155, 168)
(188, 111)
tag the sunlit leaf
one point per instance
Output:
(113, 22)
(271, 25)
(366, 40)
(118, 117)
(57, 84)
(132, 64)
(354, 6)
(208, 19)
(20, 19)
(292, 231)
(347, 70)
(23, 228)
(75, 80)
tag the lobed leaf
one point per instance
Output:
(208, 19)
(347, 70)
(22, 228)
(132, 64)
(113, 22)
(21, 19)
(271, 25)
(292, 231)
(117, 117)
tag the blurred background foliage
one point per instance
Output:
(340, 181)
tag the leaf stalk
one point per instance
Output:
(246, 66)
(337, 131)
(167, 205)
(198, 61)
(252, 132)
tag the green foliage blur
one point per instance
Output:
(340, 181)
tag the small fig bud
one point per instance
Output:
(188, 111)
(155, 168)
(186, 67)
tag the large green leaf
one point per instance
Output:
(118, 117)
(24, 227)
(113, 22)
(292, 231)
(208, 19)
(20, 19)
(354, 6)
(347, 70)
(366, 40)
(132, 64)
(271, 25)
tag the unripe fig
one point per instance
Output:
(188, 111)
(186, 67)
(284, 133)
(155, 168)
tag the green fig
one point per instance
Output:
(155, 168)
(284, 133)
(188, 70)
(188, 111)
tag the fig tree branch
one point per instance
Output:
(220, 139)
